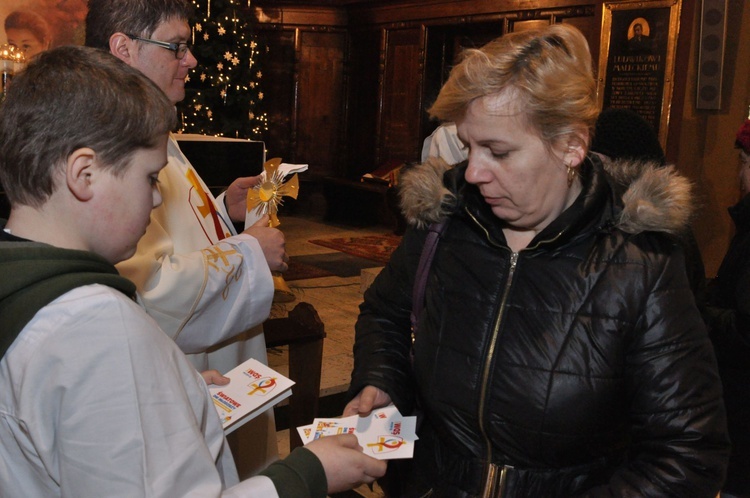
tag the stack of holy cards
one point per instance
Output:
(253, 389)
(385, 434)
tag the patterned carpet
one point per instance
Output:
(373, 247)
(299, 269)
(325, 265)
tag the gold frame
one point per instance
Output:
(610, 9)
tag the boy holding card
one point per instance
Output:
(94, 399)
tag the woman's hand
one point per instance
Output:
(368, 399)
(345, 465)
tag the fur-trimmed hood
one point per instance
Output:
(653, 197)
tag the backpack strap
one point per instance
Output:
(423, 270)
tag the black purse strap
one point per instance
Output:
(423, 270)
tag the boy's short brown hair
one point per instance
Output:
(72, 97)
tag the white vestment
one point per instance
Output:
(96, 401)
(207, 288)
(444, 143)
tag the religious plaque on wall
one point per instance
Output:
(636, 62)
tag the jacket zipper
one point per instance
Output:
(496, 475)
(494, 484)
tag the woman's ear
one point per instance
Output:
(79, 173)
(120, 45)
(576, 147)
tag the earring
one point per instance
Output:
(571, 175)
(572, 172)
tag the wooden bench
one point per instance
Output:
(303, 331)
(360, 203)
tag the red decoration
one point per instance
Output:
(743, 137)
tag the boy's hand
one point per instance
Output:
(345, 465)
(368, 399)
(272, 242)
(214, 377)
(236, 197)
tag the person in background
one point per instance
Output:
(206, 286)
(28, 31)
(727, 315)
(443, 142)
(94, 399)
(622, 134)
(557, 350)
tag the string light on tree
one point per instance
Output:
(226, 84)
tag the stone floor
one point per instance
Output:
(336, 299)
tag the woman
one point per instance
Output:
(28, 31)
(559, 351)
(728, 317)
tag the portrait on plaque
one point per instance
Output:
(636, 63)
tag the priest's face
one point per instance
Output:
(160, 64)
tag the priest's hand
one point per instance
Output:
(236, 197)
(272, 242)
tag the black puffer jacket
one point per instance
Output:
(728, 317)
(581, 362)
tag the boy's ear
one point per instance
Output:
(120, 45)
(79, 172)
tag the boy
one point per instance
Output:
(94, 399)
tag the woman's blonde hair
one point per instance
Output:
(549, 70)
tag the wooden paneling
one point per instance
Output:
(300, 15)
(354, 92)
(304, 88)
(517, 26)
(401, 96)
(362, 102)
(589, 26)
(279, 86)
(378, 12)
(449, 25)
(319, 116)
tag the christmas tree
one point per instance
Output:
(223, 94)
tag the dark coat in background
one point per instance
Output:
(727, 315)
